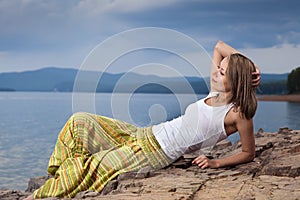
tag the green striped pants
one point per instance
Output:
(91, 150)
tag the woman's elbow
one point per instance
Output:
(219, 44)
(250, 156)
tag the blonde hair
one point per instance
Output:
(239, 76)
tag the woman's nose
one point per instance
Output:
(216, 73)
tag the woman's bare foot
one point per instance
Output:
(29, 197)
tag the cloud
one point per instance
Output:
(119, 6)
(289, 37)
(34, 33)
(276, 59)
(45, 25)
(22, 61)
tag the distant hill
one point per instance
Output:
(274, 77)
(62, 80)
(46, 79)
(273, 84)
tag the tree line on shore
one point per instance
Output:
(293, 81)
(289, 84)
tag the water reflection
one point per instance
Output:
(270, 116)
(293, 115)
(30, 122)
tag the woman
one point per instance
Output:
(91, 150)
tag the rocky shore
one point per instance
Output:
(274, 174)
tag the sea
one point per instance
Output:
(31, 121)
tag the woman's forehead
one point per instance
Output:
(224, 63)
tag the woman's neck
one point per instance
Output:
(220, 98)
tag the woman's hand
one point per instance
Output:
(257, 77)
(203, 162)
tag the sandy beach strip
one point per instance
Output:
(289, 98)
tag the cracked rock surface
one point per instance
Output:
(274, 174)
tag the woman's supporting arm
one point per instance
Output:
(245, 128)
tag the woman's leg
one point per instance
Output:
(85, 134)
(84, 142)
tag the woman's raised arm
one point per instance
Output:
(221, 51)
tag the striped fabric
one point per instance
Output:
(91, 150)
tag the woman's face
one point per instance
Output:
(219, 79)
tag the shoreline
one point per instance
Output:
(295, 98)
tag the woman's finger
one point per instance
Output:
(203, 164)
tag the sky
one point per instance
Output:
(38, 34)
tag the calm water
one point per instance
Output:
(30, 122)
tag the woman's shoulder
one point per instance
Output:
(234, 121)
(237, 116)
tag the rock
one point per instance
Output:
(222, 145)
(259, 133)
(35, 183)
(13, 194)
(112, 185)
(284, 130)
(274, 174)
(283, 166)
(86, 195)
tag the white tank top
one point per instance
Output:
(200, 126)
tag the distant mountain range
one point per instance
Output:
(62, 80)
(274, 77)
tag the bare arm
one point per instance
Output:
(223, 50)
(245, 128)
